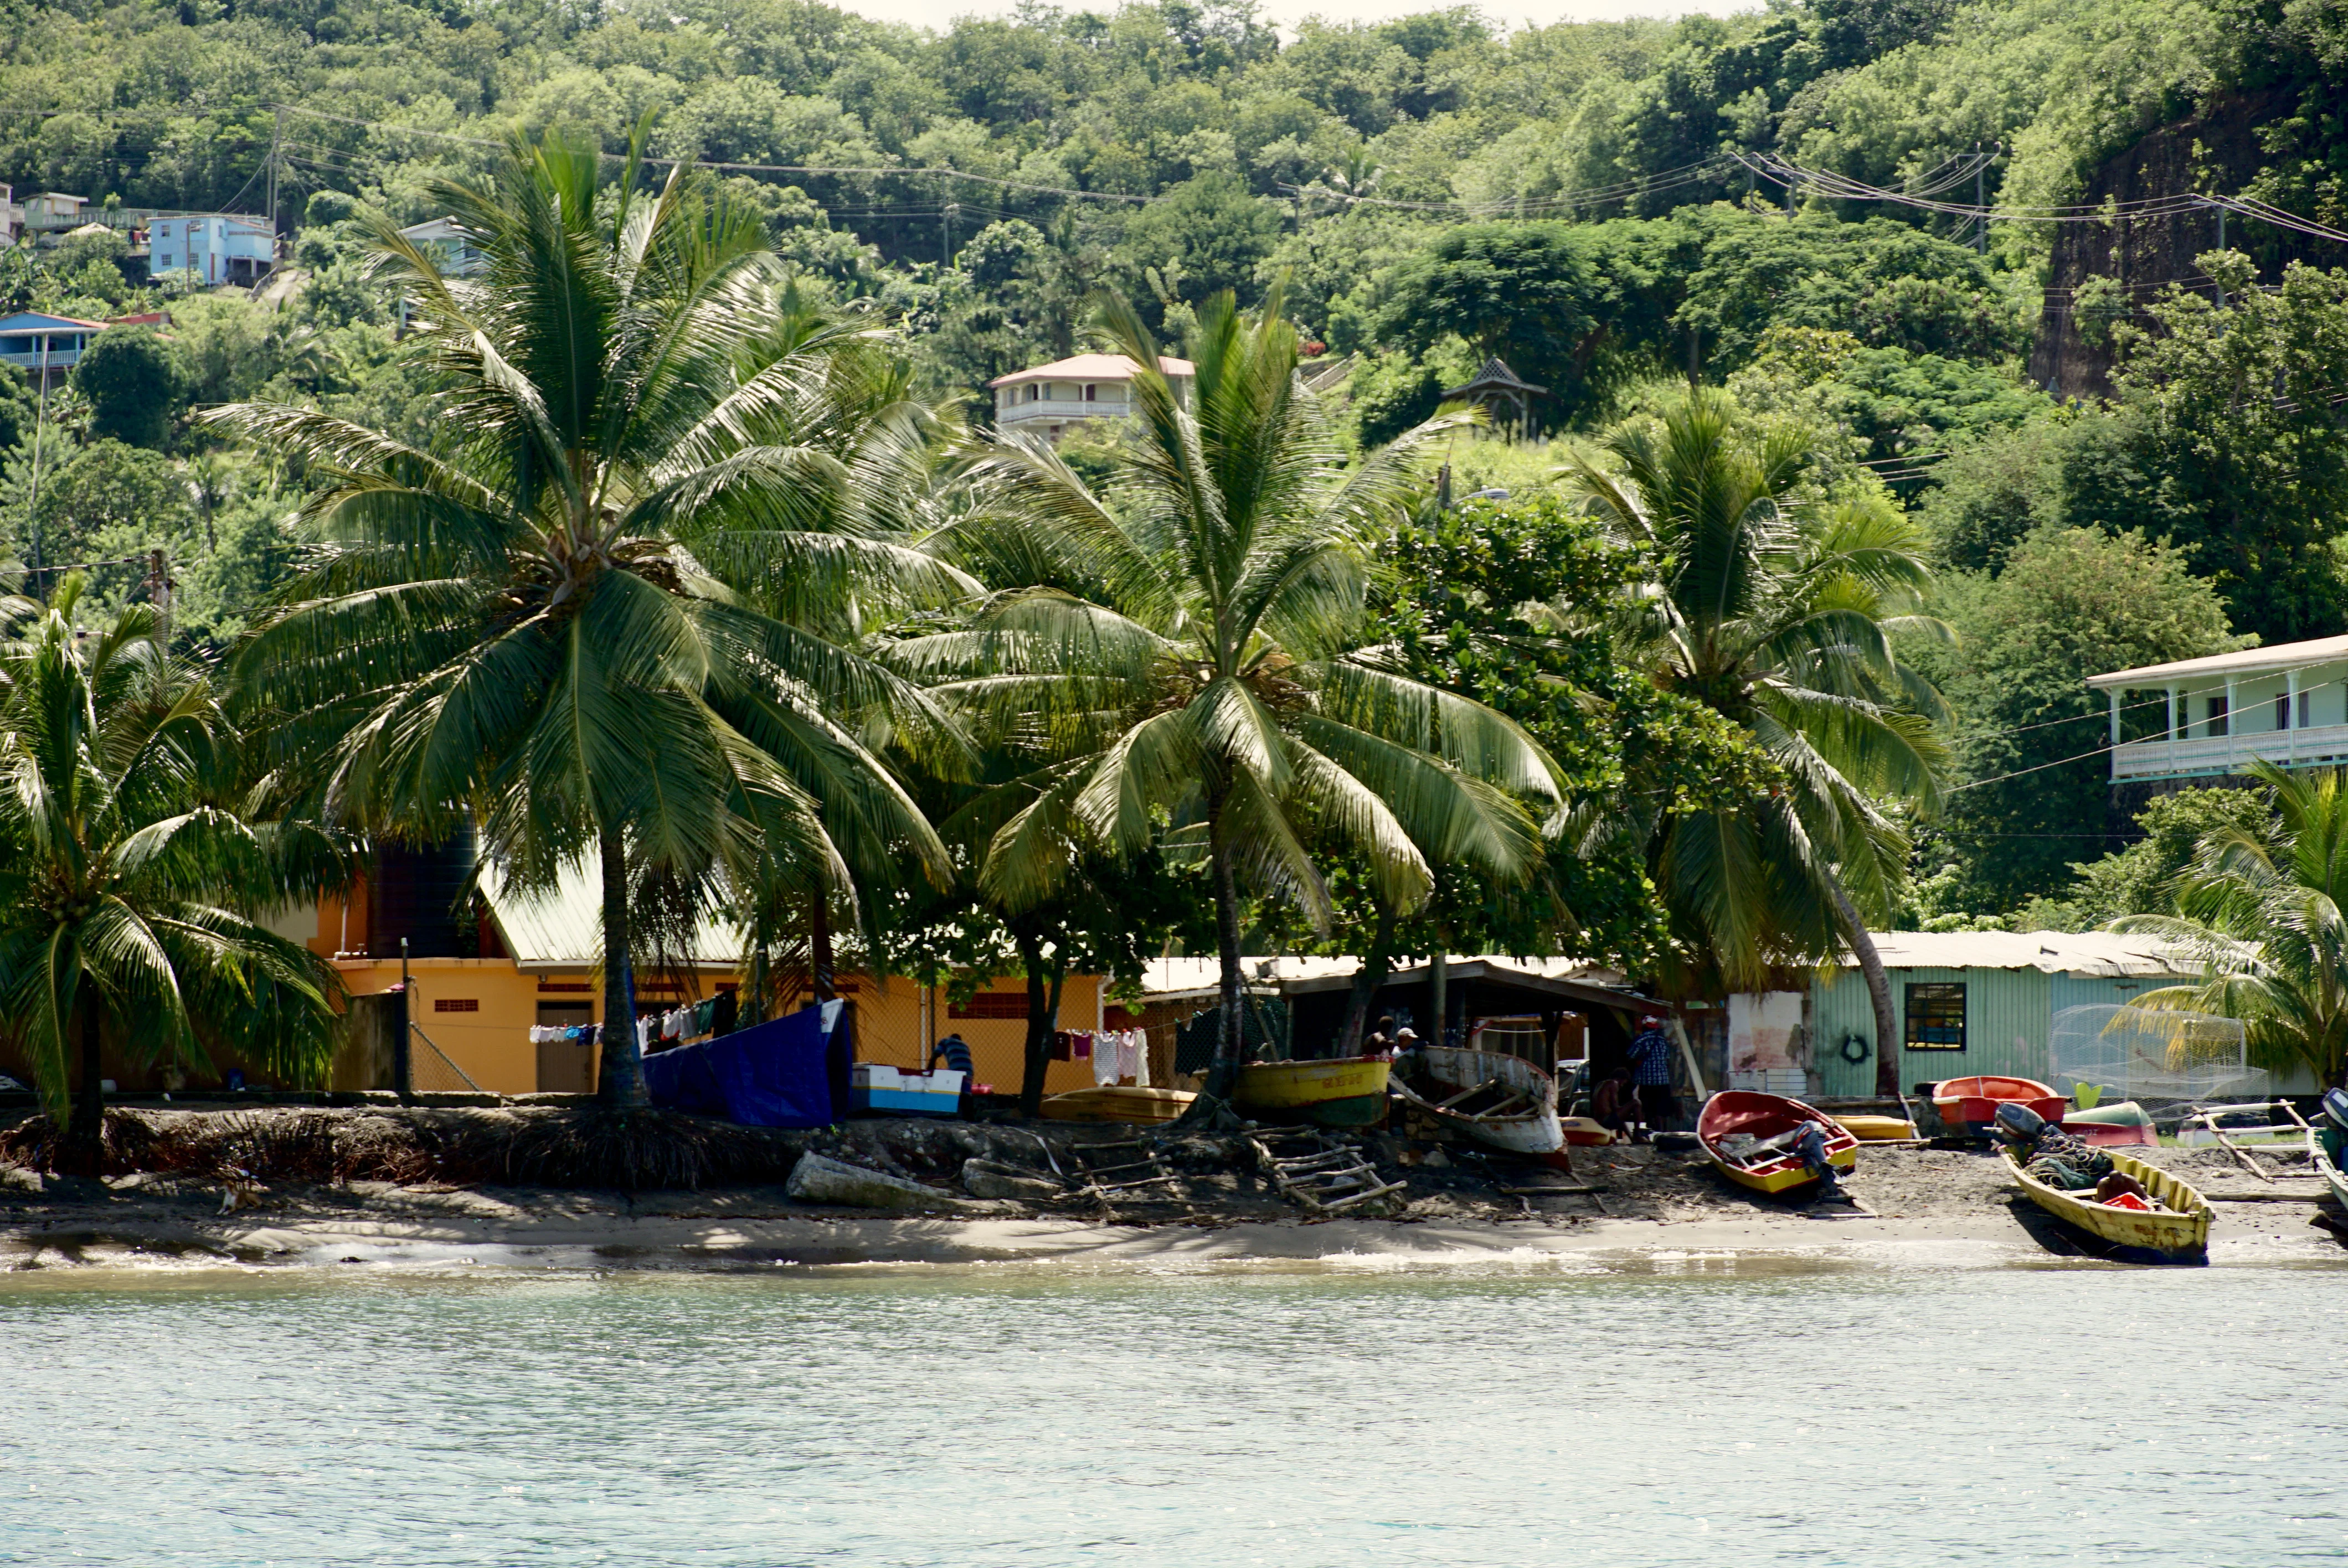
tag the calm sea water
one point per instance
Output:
(1683, 1411)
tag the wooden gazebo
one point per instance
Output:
(1496, 385)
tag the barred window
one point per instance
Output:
(1936, 1015)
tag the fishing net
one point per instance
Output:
(2138, 1054)
(1527, 1037)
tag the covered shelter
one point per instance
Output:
(1496, 385)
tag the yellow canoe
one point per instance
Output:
(1116, 1103)
(1878, 1129)
(2177, 1232)
(1345, 1092)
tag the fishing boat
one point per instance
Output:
(1116, 1103)
(2122, 1124)
(2177, 1231)
(2327, 1133)
(1584, 1132)
(2326, 1167)
(1503, 1101)
(1974, 1101)
(1878, 1129)
(1772, 1166)
(1340, 1091)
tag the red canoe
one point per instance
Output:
(1961, 1101)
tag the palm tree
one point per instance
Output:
(1195, 657)
(581, 620)
(125, 891)
(2266, 926)
(1778, 617)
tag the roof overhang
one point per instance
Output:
(2274, 660)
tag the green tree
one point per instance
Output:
(132, 384)
(127, 890)
(109, 499)
(2229, 440)
(550, 623)
(2142, 879)
(1210, 228)
(1217, 680)
(1780, 619)
(2264, 920)
(2070, 603)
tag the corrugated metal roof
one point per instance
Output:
(2247, 662)
(2050, 952)
(563, 928)
(1177, 980)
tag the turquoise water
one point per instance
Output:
(1714, 1411)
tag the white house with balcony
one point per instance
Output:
(2209, 718)
(453, 250)
(1051, 398)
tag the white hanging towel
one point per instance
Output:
(1141, 1039)
(1105, 1066)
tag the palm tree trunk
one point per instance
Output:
(1366, 981)
(1879, 990)
(820, 959)
(621, 1081)
(86, 1133)
(1042, 1017)
(1224, 1077)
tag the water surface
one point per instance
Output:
(1682, 1410)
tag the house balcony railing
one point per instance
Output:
(2212, 756)
(1061, 408)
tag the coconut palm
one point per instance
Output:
(1196, 661)
(1780, 617)
(584, 621)
(125, 892)
(2265, 924)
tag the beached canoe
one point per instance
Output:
(1582, 1133)
(2325, 1167)
(1342, 1091)
(1502, 1102)
(1116, 1103)
(1974, 1101)
(2122, 1124)
(1878, 1129)
(2177, 1232)
(1734, 1111)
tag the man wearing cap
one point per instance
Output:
(1651, 1070)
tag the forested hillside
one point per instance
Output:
(1604, 205)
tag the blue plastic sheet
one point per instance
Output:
(792, 1072)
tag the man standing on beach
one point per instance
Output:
(1651, 1070)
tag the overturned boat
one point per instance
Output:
(1502, 1102)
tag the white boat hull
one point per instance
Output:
(1533, 1130)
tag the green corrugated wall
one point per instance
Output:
(2002, 1007)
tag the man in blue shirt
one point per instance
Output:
(1651, 1070)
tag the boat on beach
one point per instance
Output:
(2327, 1133)
(1774, 1121)
(1338, 1091)
(1974, 1101)
(2177, 1230)
(1878, 1129)
(1502, 1102)
(2122, 1124)
(1116, 1103)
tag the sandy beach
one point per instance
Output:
(1936, 1206)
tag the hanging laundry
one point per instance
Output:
(1064, 1046)
(1104, 1055)
(1082, 1044)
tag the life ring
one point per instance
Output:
(1855, 1048)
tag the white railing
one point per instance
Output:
(2214, 755)
(1061, 408)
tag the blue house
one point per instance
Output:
(43, 345)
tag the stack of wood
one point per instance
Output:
(1320, 1172)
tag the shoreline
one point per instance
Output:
(265, 1204)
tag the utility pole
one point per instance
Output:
(1793, 182)
(403, 1069)
(276, 138)
(158, 594)
(2221, 245)
(1980, 200)
(40, 431)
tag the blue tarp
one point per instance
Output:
(792, 1072)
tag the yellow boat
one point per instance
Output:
(1344, 1091)
(1878, 1129)
(2177, 1232)
(1116, 1103)
(1774, 1171)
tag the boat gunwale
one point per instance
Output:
(1787, 1172)
(1542, 1121)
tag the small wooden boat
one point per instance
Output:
(2325, 1165)
(1770, 1118)
(2176, 1231)
(1974, 1101)
(2122, 1124)
(1340, 1091)
(1581, 1133)
(1878, 1129)
(1116, 1103)
(1503, 1101)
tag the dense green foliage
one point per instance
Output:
(1421, 193)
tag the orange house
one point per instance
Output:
(536, 960)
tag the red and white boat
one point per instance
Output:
(1974, 1101)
